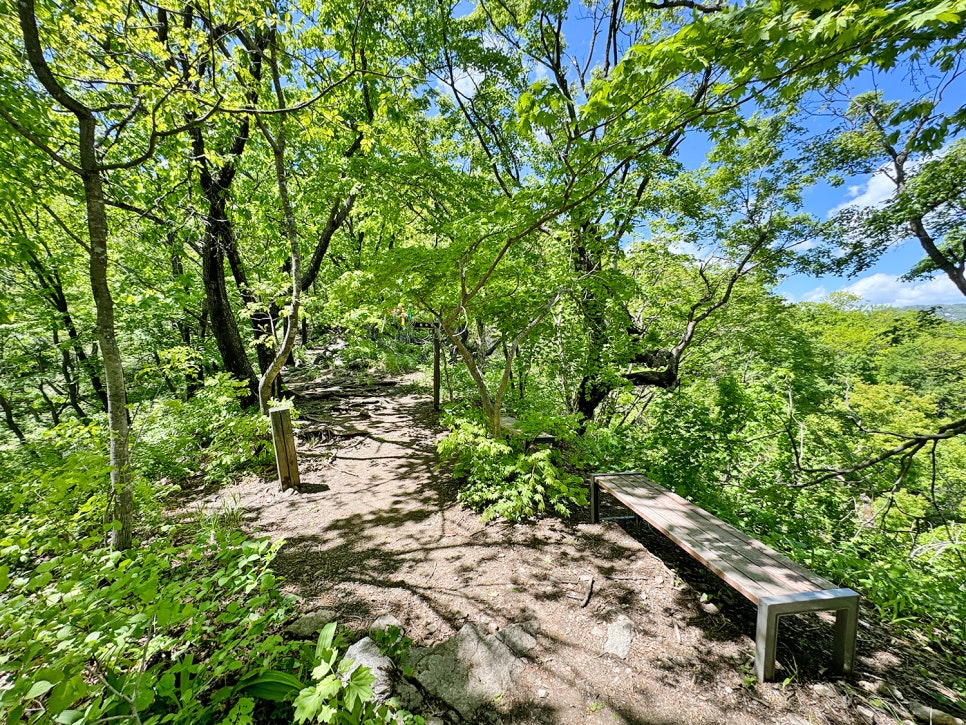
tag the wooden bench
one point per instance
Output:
(775, 583)
(512, 426)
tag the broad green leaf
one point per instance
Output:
(40, 687)
(272, 685)
(359, 687)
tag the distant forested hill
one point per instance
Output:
(953, 313)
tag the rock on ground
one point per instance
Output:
(311, 624)
(517, 639)
(467, 670)
(620, 635)
(365, 653)
(385, 622)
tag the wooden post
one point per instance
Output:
(436, 375)
(594, 501)
(288, 466)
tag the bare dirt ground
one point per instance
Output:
(376, 530)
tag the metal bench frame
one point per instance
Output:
(845, 604)
(771, 607)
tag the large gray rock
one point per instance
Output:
(408, 696)
(365, 653)
(517, 639)
(311, 624)
(468, 670)
(385, 622)
(926, 714)
(620, 635)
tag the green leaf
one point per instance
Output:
(359, 687)
(326, 713)
(69, 717)
(144, 699)
(67, 693)
(312, 701)
(326, 637)
(273, 685)
(40, 687)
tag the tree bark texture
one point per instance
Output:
(223, 326)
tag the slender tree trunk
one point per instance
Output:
(277, 143)
(53, 290)
(8, 418)
(263, 321)
(70, 379)
(194, 373)
(122, 512)
(122, 498)
(491, 412)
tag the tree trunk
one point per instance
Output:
(271, 373)
(122, 504)
(9, 419)
(218, 239)
(70, 379)
(223, 326)
(194, 373)
(592, 390)
(122, 498)
(263, 321)
(53, 290)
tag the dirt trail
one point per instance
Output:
(376, 530)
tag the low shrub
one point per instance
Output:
(502, 480)
(207, 434)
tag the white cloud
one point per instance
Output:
(691, 249)
(815, 295)
(877, 189)
(884, 289)
(465, 81)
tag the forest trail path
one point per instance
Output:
(377, 530)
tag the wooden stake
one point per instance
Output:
(436, 374)
(288, 467)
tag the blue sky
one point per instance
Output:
(881, 284)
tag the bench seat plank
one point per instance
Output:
(751, 567)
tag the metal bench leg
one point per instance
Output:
(845, 604)
(846, 627)
(766, 641)
(594, 501)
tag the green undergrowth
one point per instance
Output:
(159, 633)
(206, 436)
(184, 629)
(508, 477)
(186, 626)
